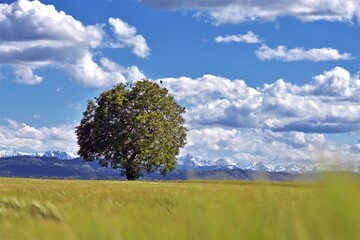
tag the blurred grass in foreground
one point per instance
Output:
(67, 209)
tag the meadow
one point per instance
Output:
(82, 209)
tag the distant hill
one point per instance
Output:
(61, 155)
(50, 167)
(186, 162)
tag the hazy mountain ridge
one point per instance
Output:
(49, 167)
(186, 162)
(61, 155)
(190, 162)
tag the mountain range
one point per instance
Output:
(190, 162)
(186, 162)
(67, 165)
(50, 167)
(61, 155)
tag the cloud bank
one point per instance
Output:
(17, 135)
(276, 123)
(246, 146)
(239, 145)
(328, 104)
(34, 35)
(237, 11)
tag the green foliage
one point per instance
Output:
(135, 129)
(68, 209)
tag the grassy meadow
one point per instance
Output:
(73, 209)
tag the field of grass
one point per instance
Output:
(67, 209)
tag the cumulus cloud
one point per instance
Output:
(242, 146)
(335, 83)
(106, 73)
(237, 11)
(126, 35)
(131, 74)
(249, 37)
(207, 87)
(246, 146)
(25, 75)
(300, 54)
(17, 135)
(328, 104)
(276, 123)
(34, 35)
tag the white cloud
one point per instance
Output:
(17, 135)
(237, 11)
(34, 35)
(131, 74)
(328, 104)
(300, 54)
(246, 146)
(106, 73)
(337, 83)
(126, 35)
(89, 73)
(25, 75)
(201, 89)
(249, 37)
(277, 123)
(36, 116)
(240, 145)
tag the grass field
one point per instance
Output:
(67, 209)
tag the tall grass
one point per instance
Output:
(65, 209)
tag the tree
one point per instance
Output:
(134, 128)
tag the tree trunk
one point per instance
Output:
(131, 170)
(131, 173)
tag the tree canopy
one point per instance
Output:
(134, 128)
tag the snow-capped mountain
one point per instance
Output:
(14, 153)
(185, 162)
(258, 167)
(62, 155)
(190, 162)
(222, 162)
(295, 168)
(292, 168)
(225, 163)
(279, 169)
(10, 153)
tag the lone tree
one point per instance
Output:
(133, 128)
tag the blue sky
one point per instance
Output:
(275, 82)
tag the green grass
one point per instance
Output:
(69, 209)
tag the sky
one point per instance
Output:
(273, 81)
